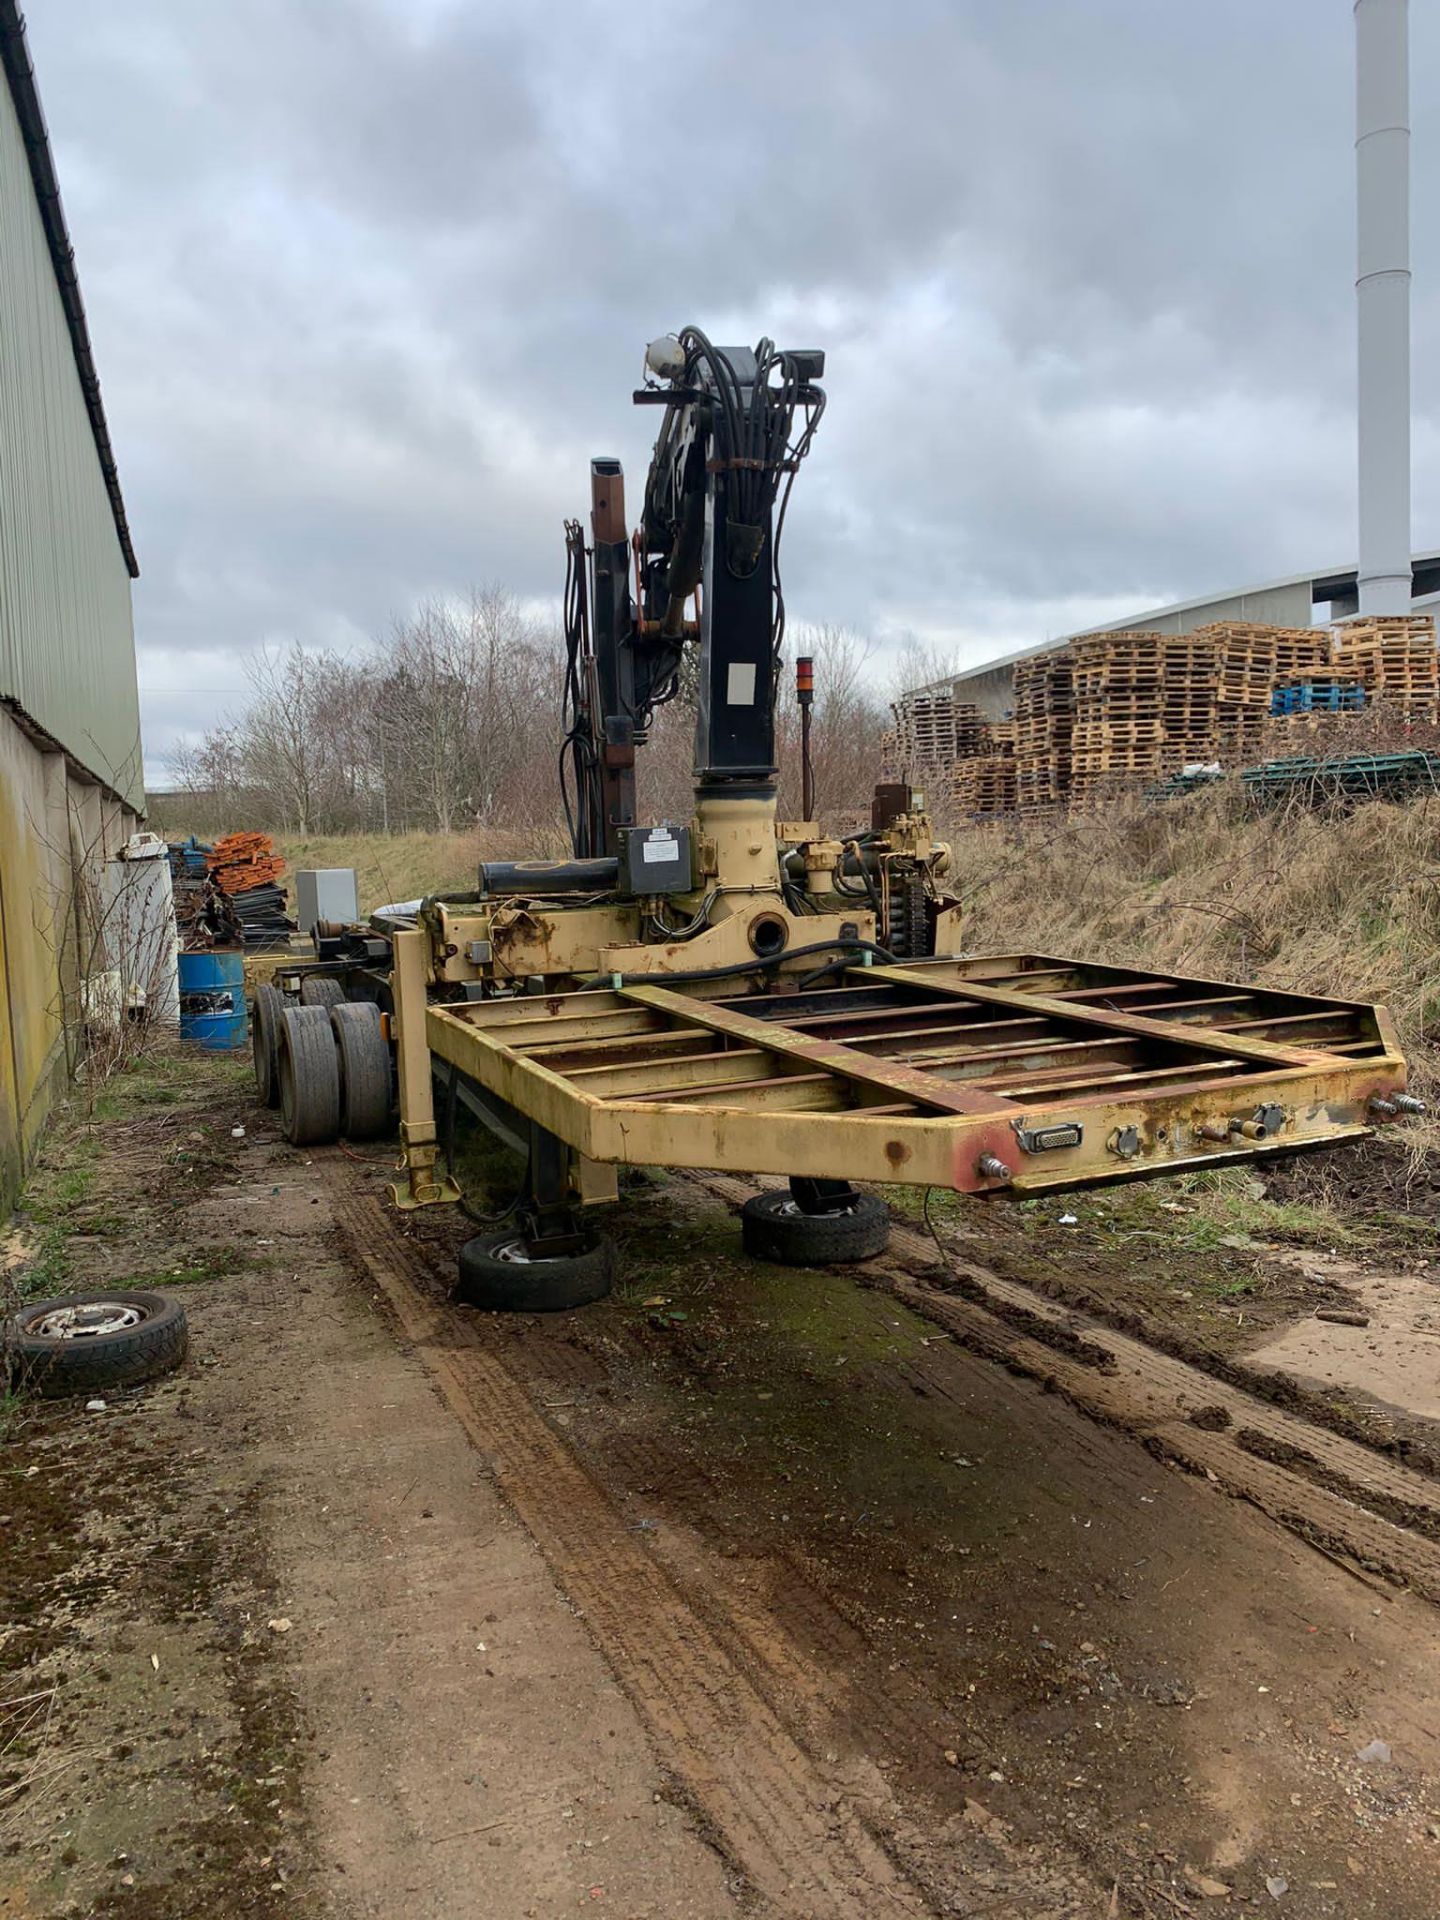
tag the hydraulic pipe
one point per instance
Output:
(541, 877)
(805, 695)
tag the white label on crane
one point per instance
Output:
(660, 846)
(740, 684)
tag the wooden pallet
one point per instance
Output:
(984, 787)
(1396, 662)
(933, 730)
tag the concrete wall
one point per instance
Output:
(1284, 606)
(55, 834)
(992, 689)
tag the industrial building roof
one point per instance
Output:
(1330, 585)
(15, 59)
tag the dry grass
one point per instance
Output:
(406, 866)
(395, 866)
(1344, 903)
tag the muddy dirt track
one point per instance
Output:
(746, 1592)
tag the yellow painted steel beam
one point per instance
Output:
(539, 1037)
(933, 972)
(1171, 1032)
(673, 1072)
(422, 1185)
(833, 1056)
(713, 1103)
(851, 1145)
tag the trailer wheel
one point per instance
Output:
(265, 1043)
(309, 1077)
(772, 1227)
(363, 1056)
(84, 1342)
(320, 990)
(497, 1273)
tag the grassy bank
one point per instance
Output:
(1334, 904)
(406, 866)
(389, 866)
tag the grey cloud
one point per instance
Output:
(369, 282)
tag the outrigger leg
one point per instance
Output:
(423, 1185)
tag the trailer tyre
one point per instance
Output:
(87, 1342)
(496, 1273)
(363, 1057)
(319, 990)
(265, 1042)
(309, 1077)
(772, 1227)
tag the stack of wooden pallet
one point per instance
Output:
(983, 787)
(1118, 735)
(972, 730)
(1190, 702)
(1115, 711)
(243, 861)
(933, 730)
(1043, 716)
(1395, 661)
(1252, 658)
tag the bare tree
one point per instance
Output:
(282, 744)
(847, 721)
(454, 719)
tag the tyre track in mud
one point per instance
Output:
(742, 1715)
(1360, 1507)
(768, 1806)
(753, 1694)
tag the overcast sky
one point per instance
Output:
(370, 280)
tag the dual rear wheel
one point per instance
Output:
(325, 1063)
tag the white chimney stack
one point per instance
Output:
(1382, 298)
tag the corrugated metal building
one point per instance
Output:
(1281, 603)
(71, 781)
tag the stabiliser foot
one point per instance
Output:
(548, 1260)
(505, 1273)
(818, 1223)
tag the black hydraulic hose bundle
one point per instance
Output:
(753, 442)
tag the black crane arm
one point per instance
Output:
(719, 480)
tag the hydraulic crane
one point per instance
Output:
(694, 600)
(744, 992)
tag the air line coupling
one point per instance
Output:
(1388, 1105)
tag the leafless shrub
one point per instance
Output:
(111, 953)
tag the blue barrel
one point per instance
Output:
(212, 1001)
